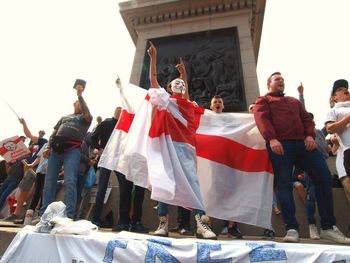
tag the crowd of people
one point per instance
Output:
(296, 149)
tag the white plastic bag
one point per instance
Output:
(80, 227)
(54, 210)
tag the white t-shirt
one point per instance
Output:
(338, 112)
(42, 166)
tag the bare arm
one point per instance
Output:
(183, 75)
(27, 132)
(152, 52)
(335, 145)
(83, 105)
(301, 94)
(333, 127)
(35, 162)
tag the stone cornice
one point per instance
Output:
(137, 13)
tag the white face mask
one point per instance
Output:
(178, 86)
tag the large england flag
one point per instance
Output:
(152, 147)
(235, 172)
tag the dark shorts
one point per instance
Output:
(347, 161)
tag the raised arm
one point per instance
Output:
(27, 132)
(338, 126)
(84, 108)
(152, 52)
(183, 75)
(301, 94)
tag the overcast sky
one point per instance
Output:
(45, 45)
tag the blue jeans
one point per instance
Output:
(314, 164)
(7, 187)
(70, 160)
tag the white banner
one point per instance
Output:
(128, 247)
(13, 148)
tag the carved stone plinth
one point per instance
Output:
(218, 40)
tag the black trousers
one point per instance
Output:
(39, 186)
(127, 197)
(183, 216)
(347, 161)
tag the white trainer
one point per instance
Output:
(28, 218)
(162, 229)
(291, 236)
(203, 229)
(314, 232)
(335, 235)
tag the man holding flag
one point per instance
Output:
(174, 119)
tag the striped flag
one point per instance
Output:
(153, 146)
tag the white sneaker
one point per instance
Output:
(162, 229)
(203, 229)
(335, 235)
(313, 232)
(291, 236)
(28, 218)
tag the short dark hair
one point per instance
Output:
(273, 74)
(312, 116)
(216, 97)
(168, 88)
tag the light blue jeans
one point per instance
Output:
(6, 189)
(70, 160)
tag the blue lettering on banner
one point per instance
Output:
(266, 252)
(161, 241)
(112, 244)
(203, 253)
(156, 250)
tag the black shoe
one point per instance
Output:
(96, 223)
(138, 228)
(12, 218)
(19, 221)
(268, 234)
(121, 227)
(234, 231)
(176, 228)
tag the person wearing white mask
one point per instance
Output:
(178, 90)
